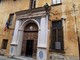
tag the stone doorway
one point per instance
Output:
(29, 43)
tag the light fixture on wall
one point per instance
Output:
(47, 7)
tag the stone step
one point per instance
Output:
(25, 58)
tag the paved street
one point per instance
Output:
(6, 58)
(17, 58)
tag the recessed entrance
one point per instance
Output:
(29, 43)
(29, 47)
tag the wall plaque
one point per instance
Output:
(40, 54)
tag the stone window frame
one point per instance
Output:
(10, 19)
(52, 48)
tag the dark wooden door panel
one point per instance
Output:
(29, 47)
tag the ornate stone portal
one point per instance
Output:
(39, 17)
(29, 43)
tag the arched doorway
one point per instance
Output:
(30, 38)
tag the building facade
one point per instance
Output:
(39, 31)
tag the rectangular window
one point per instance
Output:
(57, 36)
(11, 16)
(32, 4)
(56, 1)
(4, 43)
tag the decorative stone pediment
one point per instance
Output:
(27, 14)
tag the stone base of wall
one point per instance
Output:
(55, 56)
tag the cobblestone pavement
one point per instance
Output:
(17, 58)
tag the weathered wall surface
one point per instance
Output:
(7, 7)
(65, 9)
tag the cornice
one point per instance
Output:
(27, 14)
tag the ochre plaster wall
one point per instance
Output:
(70, 40)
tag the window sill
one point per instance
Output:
(56, 4)
(58, 51)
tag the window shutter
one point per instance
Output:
(60, 36)
(51, 43)
(51, 36)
